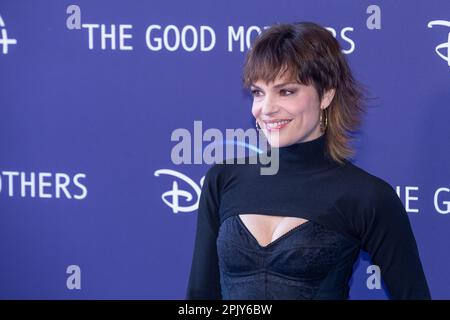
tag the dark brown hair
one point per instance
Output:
(309, 54)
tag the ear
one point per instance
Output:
(327, 98)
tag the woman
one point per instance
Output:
(297, 234)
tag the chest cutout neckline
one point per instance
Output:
(267, 230)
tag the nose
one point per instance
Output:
(269, 105)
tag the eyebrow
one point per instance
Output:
(276, 86)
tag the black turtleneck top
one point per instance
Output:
(346, 208)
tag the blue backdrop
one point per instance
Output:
(91, 204)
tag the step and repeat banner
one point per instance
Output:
(96, 97)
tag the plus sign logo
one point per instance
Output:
(4, 40)
(443, 46)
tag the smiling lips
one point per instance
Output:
(276, 124)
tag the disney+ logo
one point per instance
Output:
(172, 197)
(4, 40)
(444, 45)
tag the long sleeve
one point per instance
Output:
(387, 236)
(204, 279)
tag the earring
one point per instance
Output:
(257, 125)
(324, 122)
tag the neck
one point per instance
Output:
(307, 156)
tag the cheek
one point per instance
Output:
(256, 110)
(303, 105)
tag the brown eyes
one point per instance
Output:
(283, 92)
(255, 93)
(287, 92)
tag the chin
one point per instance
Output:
(277, 139)
(278, 143)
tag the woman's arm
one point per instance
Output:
(387, 236)
(204, 279)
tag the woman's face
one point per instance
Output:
(288, 112)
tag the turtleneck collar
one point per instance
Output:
(308, 156)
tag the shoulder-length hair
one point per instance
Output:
(309, 54)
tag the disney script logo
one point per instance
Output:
(176, 193)
(444, 45)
